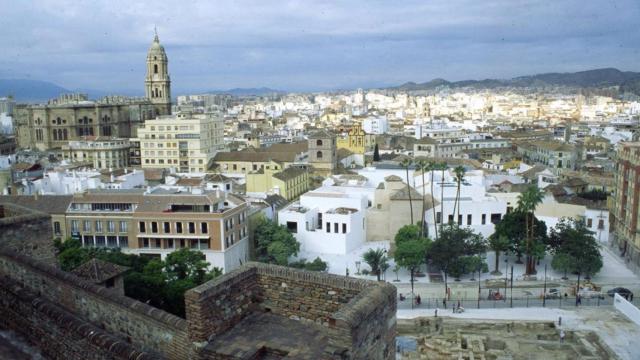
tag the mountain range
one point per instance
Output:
(597, 78)
(27, 90)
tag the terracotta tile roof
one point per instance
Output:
(50, 204)
(99, 271)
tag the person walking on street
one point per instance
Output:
(444, 303)
(562, 336)
(418, 300)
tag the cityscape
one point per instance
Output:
(376, 181)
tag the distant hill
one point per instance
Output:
(25, 90)
(627, 80)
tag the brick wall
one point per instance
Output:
(57, 333)
(147, 328)
(359, 315)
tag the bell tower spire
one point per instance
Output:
(157, 82)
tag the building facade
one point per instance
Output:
(73, 116)
(103, 153)
(323, 152)
(626, 202)
(289, 183)
(185, 141)
(158, 222)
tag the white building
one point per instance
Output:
(478, 209)
(67, 182)
(329, 220)
(6, 123)
(375, 125)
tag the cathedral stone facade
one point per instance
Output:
(75, 117)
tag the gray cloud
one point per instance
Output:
(305, 45)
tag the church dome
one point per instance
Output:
(156, 51)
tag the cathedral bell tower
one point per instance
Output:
(157, 82)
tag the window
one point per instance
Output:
(468, 219)
(589, 222)
(74, 225)
(459, 219)
(204, 244)
(335, 228)
(344, 228)
(495, 218)
(56, 228)
(124, 241)
(179, 227)
(292, 226)
(123, 226)
(154, 227)
(142, 226)
(111, 226)
(112, 241)
(204, 228)
(318, 142)
(86, 226)
(600, 224)
(155, 68)
(87, 240)
(438, 217)
(319, 221)
(450, 220)
(100, 241)
(166, 227)
(192, 228)
(484, 219)
(98, 226)
(328, 227)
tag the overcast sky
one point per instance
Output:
(308, 45)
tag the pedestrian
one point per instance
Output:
(458, 306)
(418, 300)
(579, 300)
(562, 336)
(436, 312)
(444, 303)
(559, 320)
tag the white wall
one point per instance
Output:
(474, 208)
(627, 308)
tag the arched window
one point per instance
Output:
(319, 142)
(319, 154)
(155, 68)
(156, 92)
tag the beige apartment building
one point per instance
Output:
(103, 153)
(626, 203)
(185, 141)
(158, 222)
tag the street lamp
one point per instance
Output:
(506, 279)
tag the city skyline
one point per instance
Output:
(316, 47)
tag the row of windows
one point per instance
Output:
(495, 218)
(111, 241)
(178, 227)
(98, 226)
(148, 243)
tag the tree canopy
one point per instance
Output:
(274, 244)
(453, 245)
(159, 283)
(577, 251)
(377, 261)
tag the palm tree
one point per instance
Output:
(422, 166)
(377, 260)
(527, 203)
(405, 164)
(432, 167)
(442, 166)
(459, 175)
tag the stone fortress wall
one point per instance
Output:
(66, 317)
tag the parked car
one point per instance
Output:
(552, 294)
(624, 292)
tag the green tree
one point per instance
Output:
(410, 255)
(187, 264)
(454, 243)
(527, 203)
(406, 163)
(274, 244)
(578, 252)
(513, 227)
(377, 261)
(407, 232)
(376, 153)
(431, 167)
(498, 243)
(317, 265)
